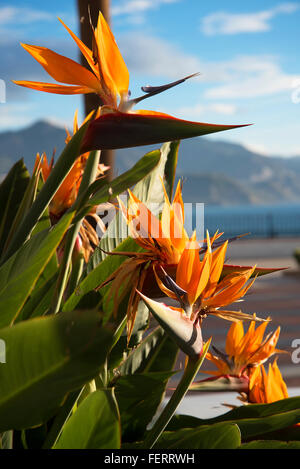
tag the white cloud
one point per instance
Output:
(198, 110)
(224, 108)
(15, 115)
(136, 8)
(22, 15)
(152, 56)
(235, 23)
(59, 122)
(241, 77)
(257, 148)
(249, 77)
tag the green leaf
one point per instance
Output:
(51, 268)
(191, 369)
(139, 356)
(94, 425)
(219, 436)
(252, 427)
(12, 191)
(89, 175)
(39, 301)
(171, 166)
(261, 410)
(138, 397)
(60, 170)
(109, 242)
(45, 359)
(124, 130)
(157, 352)
(291, 433)
(33, 438)
(64, 412)
(24, 206)
(121, 347)
(6, 440)
(253, 420)
(98, 275)
(114, 237)
(179, 421)
(271, 444)
(150, 189)
(20, 273)
(163, 357)
(100, 191)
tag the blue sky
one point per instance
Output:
(247, 54)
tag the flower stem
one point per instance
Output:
(88, 178)
(190, 372)
(77, 268)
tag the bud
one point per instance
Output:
(186, 333)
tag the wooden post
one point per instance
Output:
(92, 101)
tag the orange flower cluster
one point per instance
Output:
(267, 387)
(244, 358)
(67, 193)
(200, 286)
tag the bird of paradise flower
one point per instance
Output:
(118, 126)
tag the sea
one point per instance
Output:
(264, 221)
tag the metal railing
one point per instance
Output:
(266, 225)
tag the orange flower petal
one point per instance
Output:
(218, 257)
(53, 88)
(62, 68)
(234, 337)
(205, 271)
(113, 67)
(189, 268)
(280, 382)
(231, 293)
(87, 53)
(219, 363)
(163, 288)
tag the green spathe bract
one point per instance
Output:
(123, 130)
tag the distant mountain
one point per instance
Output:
(26, 143)
(213, 172)
(215, 189)
(210, 167)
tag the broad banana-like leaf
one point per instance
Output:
(60, 170)
(20, 273)
(123, 130)
(94, 425)
(46, 358)
(12, 191)
(218, 436)
(186, 333)
(150, 190)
